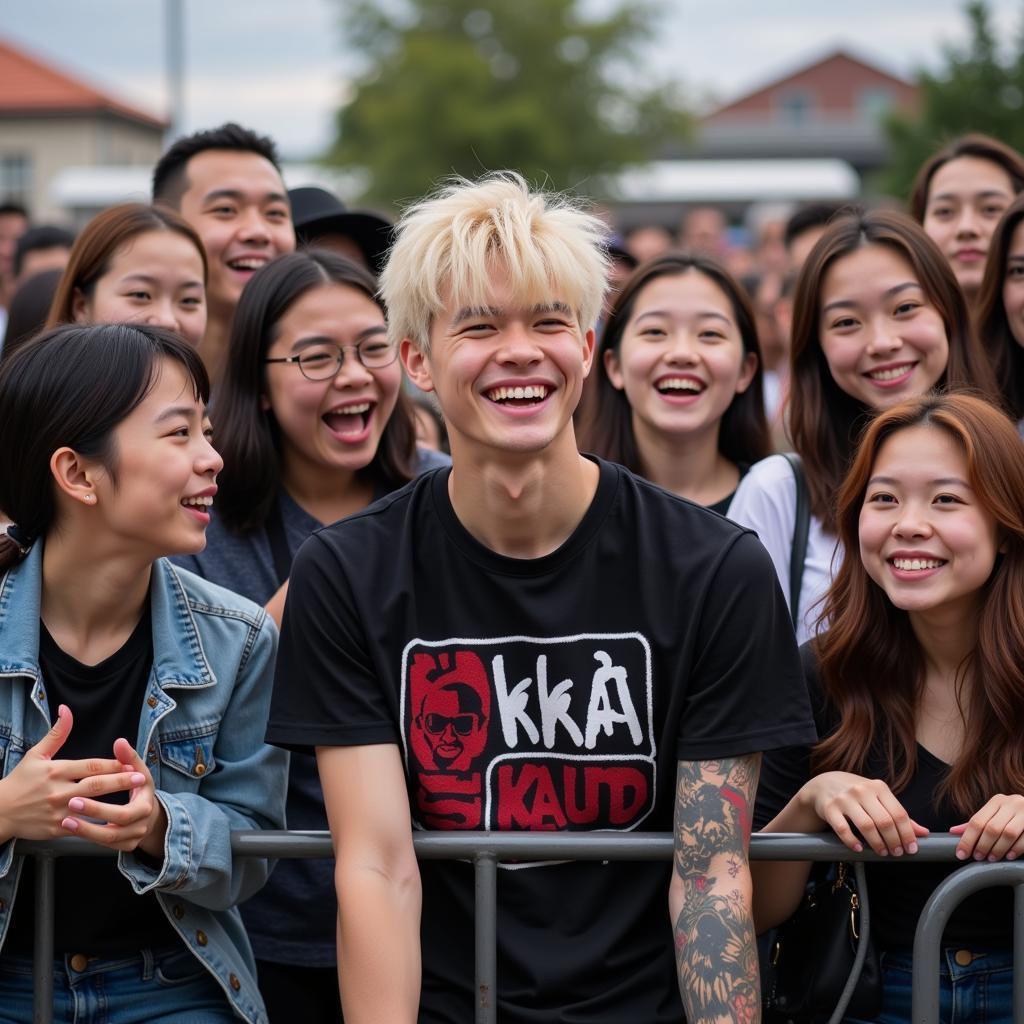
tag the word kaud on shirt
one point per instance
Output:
(520, 733)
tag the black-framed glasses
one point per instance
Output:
(324, 359)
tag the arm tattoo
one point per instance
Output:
(716, 951)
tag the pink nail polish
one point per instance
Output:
(76, 804)
(138, 779)
(961, 855)
(912, 848)
(71, 824)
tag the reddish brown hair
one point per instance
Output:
(981, 147)
(824, 420)
(872, 666)
(99, 241)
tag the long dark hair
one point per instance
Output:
(248, 436)
(824, 420)
(607, 427)
(1006, 353)
(71, 387)
(872, 666)
(100, 240)
(982, 147)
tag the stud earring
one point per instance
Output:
(90, 498)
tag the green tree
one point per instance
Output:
(467, 86)
(979, 89)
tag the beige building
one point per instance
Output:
(50, 122)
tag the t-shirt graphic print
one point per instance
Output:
(530, 733)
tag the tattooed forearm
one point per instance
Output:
(716, 951)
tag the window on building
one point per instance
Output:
(796, 107)
(875, 102)
(15, 177)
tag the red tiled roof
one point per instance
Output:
(28, 86)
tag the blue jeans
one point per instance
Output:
(979, 992)
(154, 986)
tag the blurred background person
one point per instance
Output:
(41, 247)
(805, 226)
(28, 311)
(322, 221)
(647, 242)
(13, 224)
(958, 197)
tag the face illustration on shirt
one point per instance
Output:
(451, 700)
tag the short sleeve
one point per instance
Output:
(784, 771)
(326, 690)
(746, 691)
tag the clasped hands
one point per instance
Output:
(43, 798)
(845, 802)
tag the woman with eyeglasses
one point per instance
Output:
(313, 425)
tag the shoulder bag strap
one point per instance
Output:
(801, 529)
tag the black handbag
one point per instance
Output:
(822, 964)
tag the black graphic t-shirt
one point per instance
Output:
(554, 693)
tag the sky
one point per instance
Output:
(281, 66)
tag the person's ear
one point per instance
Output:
(747, 372)
(79, 307)
(417, 364)
(589, 344)
(75, 476)
(613, 368)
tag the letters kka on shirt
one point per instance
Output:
(529, 733)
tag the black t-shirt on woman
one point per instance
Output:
(98, 913)
(555, 693)
(898, 890)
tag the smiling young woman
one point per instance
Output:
(878, 317)
(918, 690)
(314, 426)
(125, 678)
(139, 264)
(678, 395)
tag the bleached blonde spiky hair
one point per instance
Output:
(449, 245)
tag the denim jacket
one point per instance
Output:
(201, 733)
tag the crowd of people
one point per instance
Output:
(561, 530)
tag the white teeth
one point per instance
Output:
(247, 264)
(350, 410)
(201, 502)
(501, 394)
(896, 371)
(910, 564)
(680, 384)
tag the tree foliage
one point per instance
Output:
(467, 86)
(980, 88)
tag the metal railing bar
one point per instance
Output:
(633, 846)
(948, 895)
(485, 872)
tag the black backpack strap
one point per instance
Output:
(278, 543)
(801, 529)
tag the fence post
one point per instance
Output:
(42, 949)
(948, 895)
(485, 874)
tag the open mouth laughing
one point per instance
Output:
(350, 422)
(519, 396)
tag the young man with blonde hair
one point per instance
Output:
(533, 640)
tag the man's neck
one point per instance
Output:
(214, 347)
(522, 505)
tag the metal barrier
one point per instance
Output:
(486, 849)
